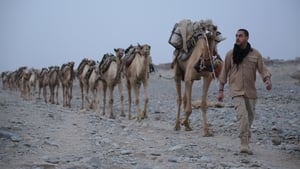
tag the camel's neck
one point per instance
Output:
(200, 51)
(141, 63)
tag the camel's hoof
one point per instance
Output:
(82, 110)
(207, 133)
(188, 129)
(177, 127)
(186, 125)
(129, 117)
(145, 115)
(112, 117)
(123, 115)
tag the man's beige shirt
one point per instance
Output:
(242, 77)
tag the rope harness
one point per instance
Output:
(211, 60)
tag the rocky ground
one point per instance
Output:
(35, 135)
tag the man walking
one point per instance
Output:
(240, 66)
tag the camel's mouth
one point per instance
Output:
(219, 37)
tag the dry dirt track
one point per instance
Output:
(38, 135)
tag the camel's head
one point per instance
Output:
(207, 30)
(119, 52)
(91, 62)
(26, 74)
(53, 68)
(42, 72)
(56, 67)
(71, 64)
(144, 49)
(22, 68)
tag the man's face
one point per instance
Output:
(241, 39)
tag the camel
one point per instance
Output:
(136, 74)
(66, 78)
(24, 83)
(110, 69)
(18, 78)
(43, 83)
(54, 83)
(5, 79)
(32, 81)
(94, 78)
(184, 70)
(82, 69)
(12, 80)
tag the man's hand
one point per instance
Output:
(268, 84)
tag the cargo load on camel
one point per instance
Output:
(184, 37)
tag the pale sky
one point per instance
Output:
(41, 33)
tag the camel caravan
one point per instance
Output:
(130, 65)
(195, 57)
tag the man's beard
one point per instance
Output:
(239, 54)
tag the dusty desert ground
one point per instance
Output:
(36, 135)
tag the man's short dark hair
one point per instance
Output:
(245, 31)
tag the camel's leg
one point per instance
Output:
(30, 94)
(21, 90)
(146, 99)
(50, 91)
(121, 98)
(136, 88)
(188, 105)
(92, 103)
(179, 101)
(206, 83)
(51, 100)
(45, 93)
(40, 89)
(64, 94)
(96, 100)
(56, 94)
(70, 90)
(82, 95)
(111, 101)
(86, 95)
(66, 97)
(104, 97)
(24, 91)
(129, 99)
(52, 95)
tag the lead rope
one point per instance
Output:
(211, 60)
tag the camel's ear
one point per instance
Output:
(115, 49)
(138, 45)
